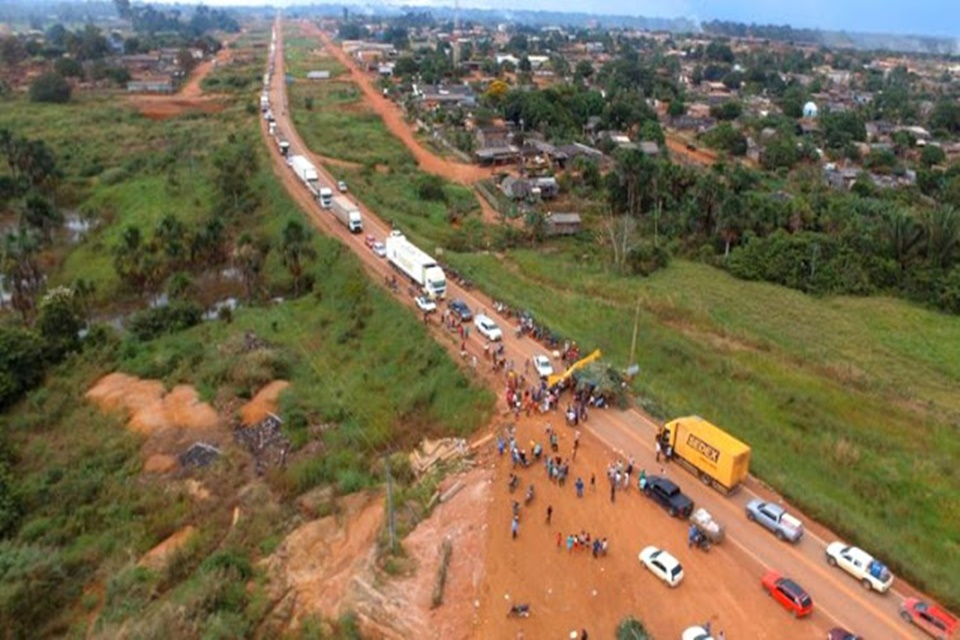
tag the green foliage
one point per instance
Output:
(68, 68)
(729, 110)
(59, 322)
(172, 318)
(646, 258)
(430, 188)
(932, 155)
(50, 87)
(811, 262)
(21, 363)
(632, 629)
(726, 137)
(33, 587)
(946, 117)
(840, 128)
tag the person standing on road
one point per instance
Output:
(593, 482)
(659, 449)
(613, 492)
(549, 513)
(579, 486)
(515, 527)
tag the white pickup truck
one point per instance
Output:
(871, 573)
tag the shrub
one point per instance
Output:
(177, 316)
(430, 187)
(50, 87)
(632, 629)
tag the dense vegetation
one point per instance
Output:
(187, 208)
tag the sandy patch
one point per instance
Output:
(262, 404)
(158, 557)
(159, 463)
(149, 409)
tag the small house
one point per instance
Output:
(562, 224)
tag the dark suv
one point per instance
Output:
(460, 308)
(669, 496)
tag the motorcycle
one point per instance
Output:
(514, 480)
(519, 611)
(700, 540)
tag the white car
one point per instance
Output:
(661, 564)
(342, 186)
(380, 249)
(487, 328)
(542, 364)
(425, 304)
(871, 573)
(696, 633)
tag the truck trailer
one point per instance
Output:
(304, 169)
(347, 213)
(416, 265)
(708, 451)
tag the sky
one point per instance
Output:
(917, 17)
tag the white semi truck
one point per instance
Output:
(325, 197)
(347, 213)
(304, 169)
(416, 265)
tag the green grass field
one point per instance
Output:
(358, 362)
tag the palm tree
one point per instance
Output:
(171, 234)
(249, 256)
(127, 256)
(40, 214)
(21, 272)
(902, 236)
(296, 247)
(207, 246)
(942, 226)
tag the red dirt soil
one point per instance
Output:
(393, 118)
(190, 97)
(262, 404)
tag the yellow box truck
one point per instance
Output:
(715, 456)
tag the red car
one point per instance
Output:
(369, 241)
(788, 593)
(933, 620)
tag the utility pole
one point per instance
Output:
(636, 327)
(390, 522)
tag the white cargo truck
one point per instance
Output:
(416, 265)
(264, 103)
(304, 169)
(346, 211)
(326, 197)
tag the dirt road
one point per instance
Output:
(573, 591)
(392, 116)
(190, 97)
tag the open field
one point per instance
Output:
(365, 379)
(847, 403)
(339, 122)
